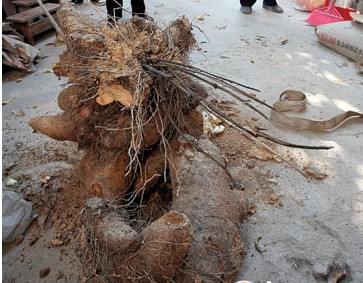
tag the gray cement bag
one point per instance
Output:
(344, 37)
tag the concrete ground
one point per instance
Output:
(318, 225)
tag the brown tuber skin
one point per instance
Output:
(59, 127)
(165, 244)
(110, 228)
(154, 255)
(69, 97)
(102, 173)
(113, 232)
(201, 190)
(119, 138)
(198, 240)
(152, 169)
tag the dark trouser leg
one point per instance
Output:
(248, 3)
(270, 2)
(114, 10)
(138, 8)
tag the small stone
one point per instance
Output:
(44, 178)
(18, 113)
(33, 239)
(250, 163)
(252, 209)
(62, 226)
(274, 198)
(59, 275)
(44, 272)
(11, 182)
(70, 227)
(18, 145)
(272, 181)
(189, 154)
(57, 242)
(19, 240)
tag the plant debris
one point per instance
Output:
(336, 275)
(44, 272)
(315, 172)
(18, 113)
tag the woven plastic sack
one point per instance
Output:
(308, 5)
(16, 215)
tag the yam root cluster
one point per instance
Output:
(198, 240)
(124, 108)
(117, 107)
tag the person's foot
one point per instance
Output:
(276, 8)
(112, 21)
(77, 1)
(98, 2)
(246, 10)
(148, 18)
(144, 16)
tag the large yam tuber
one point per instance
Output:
(59, 127)
(201, 190)
(110, 228)
(156, 254)
(180, 34)
(69, 126)
(69, 97)
(103, 173)
(82, 32)
(165, 244)
(152, 169)
(116, 234)
(119, 136)
(116, 138)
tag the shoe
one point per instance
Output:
(148, 18)
(112, 21)
(276, 8)
(143, 16)
(77, 1)
(98, 3)
(246, 10)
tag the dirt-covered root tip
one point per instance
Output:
(59, 127)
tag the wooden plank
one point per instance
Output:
(29, 31)
(28, 15)
(42, 26)
(26, 3)
(8, 7)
